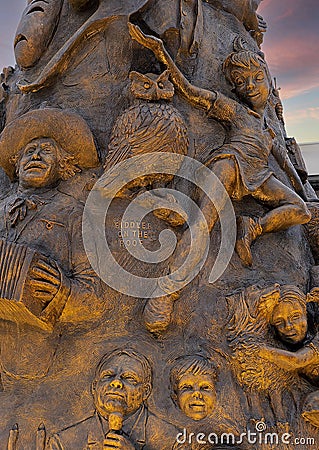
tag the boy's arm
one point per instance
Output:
(198, 97)
(281, 155)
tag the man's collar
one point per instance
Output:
(43, 193)
(135, 425)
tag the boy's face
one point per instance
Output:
(290, 321)
(196, 395)
(252, 86)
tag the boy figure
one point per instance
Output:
(193, 381)
(193, 386)
(241, 163)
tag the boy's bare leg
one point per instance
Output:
(288, 209)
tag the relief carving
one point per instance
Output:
(46, 275)
(122, 384)
(296, 328)
(245, 11)
(97, 23)
(247, 331)
(192, 381)
(4, 93)
(102, 92)
(193, 385)
(35, 31)
(47, 146)
(233, 163)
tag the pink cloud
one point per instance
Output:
(298, 115)
(314, 113)
(291, 44)
(286, 14)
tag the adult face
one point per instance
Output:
(120, 386)
(35, 30)
(252, 87)
(196, 395)
(39, 165)
(290, 321)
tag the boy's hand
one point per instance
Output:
(150, 42)
(262, 24)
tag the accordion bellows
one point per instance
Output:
(16, 302)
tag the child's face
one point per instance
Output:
(196, 395)
(290, 321)
(252, 86)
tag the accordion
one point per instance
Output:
(16, 301)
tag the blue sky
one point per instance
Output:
(291, 47)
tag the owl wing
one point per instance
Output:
(119, 148)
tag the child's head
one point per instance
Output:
(289, 315)
(193, 386)
(248, 73)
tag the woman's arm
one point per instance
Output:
(198, 97)
(290, 360)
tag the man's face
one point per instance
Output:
(196, 395)
(290, 321)
(39, 166)
(252, 87)
(120, 387)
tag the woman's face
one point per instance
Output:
(290, 321)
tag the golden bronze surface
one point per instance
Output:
(159, 244)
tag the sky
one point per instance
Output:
(291, 47)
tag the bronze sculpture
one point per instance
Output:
(122, 383)
(233, 163)
(29, 42)
(183, 84)
(193, 387)
(289, 318)
(33, 213)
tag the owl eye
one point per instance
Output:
(147, 85)
(161, 85)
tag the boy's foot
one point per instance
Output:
(248, 229)
(158, 313)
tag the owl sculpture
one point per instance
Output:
(151, 87)
(151, 124)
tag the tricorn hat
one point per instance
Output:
(68, 129)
